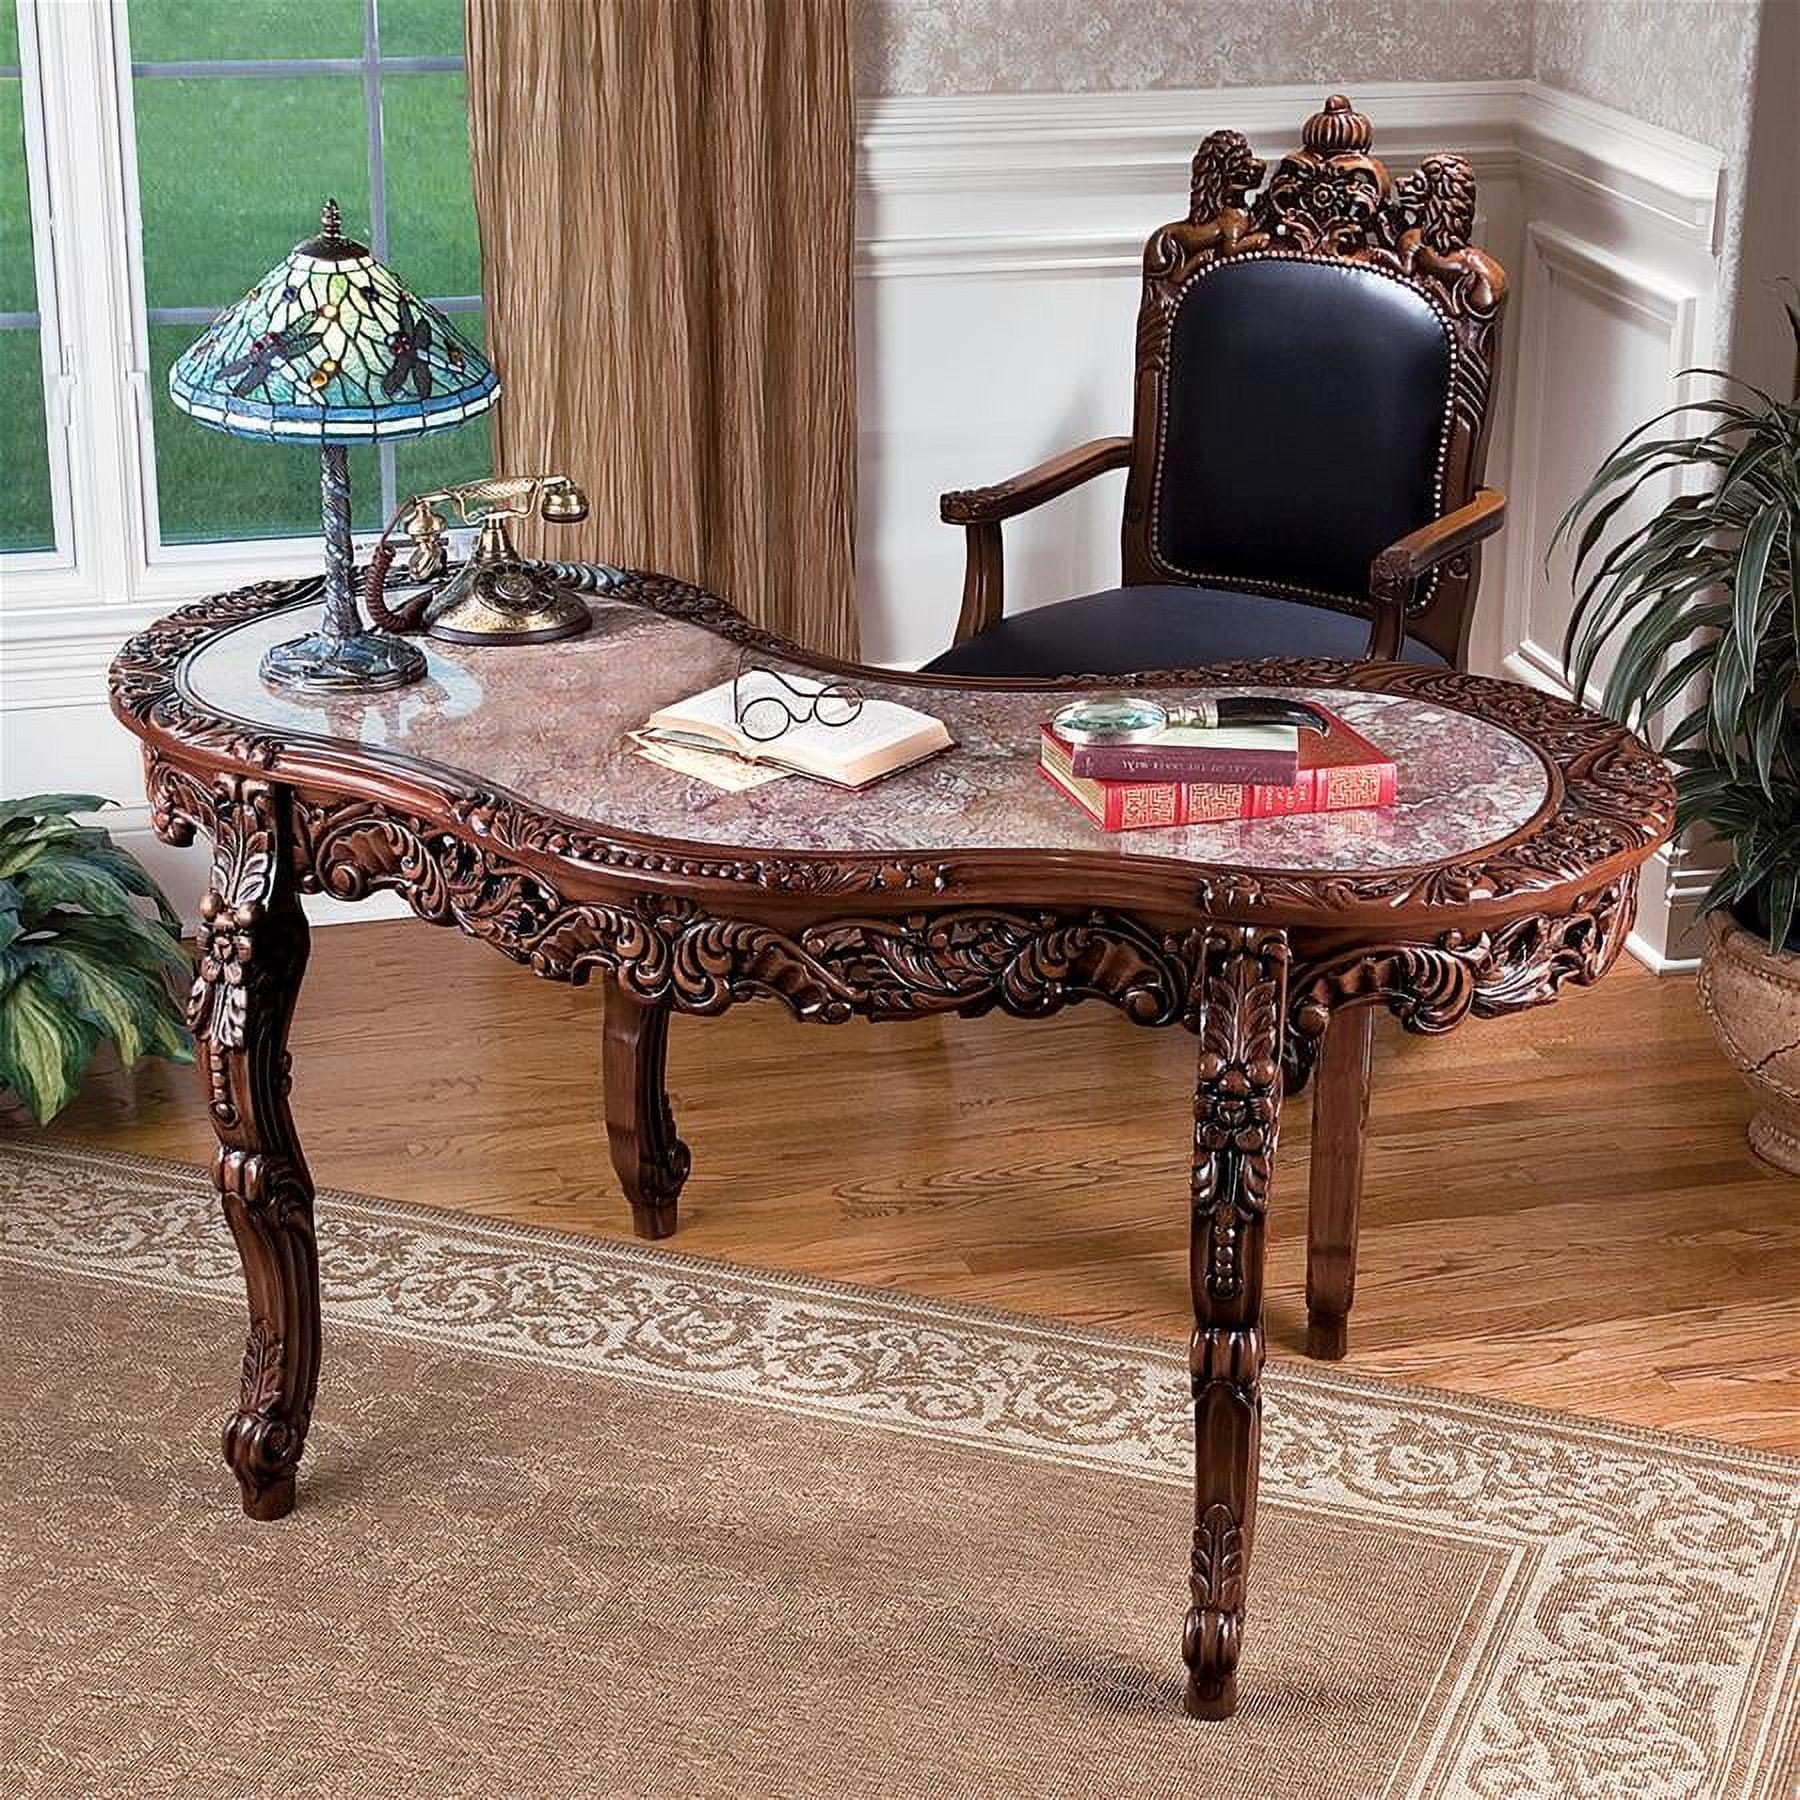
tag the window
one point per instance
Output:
(246, 116)
(27, 508)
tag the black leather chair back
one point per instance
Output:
(1306, 413)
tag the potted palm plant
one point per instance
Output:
(88, 947)
(1700, 608)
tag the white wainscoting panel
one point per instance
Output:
(1600, 338)
(1618, 292)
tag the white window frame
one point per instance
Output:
(110, 572)
(46, 316)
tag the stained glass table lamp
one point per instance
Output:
(331, 347)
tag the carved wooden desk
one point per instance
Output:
(498, 797)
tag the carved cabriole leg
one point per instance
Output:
(253, 947)
(1237, 1115)
(651, 1161)
(1340, 1122)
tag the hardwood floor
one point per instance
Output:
(1560, 1208)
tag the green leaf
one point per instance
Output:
(130, 938)
(1768, 718)
(134, 878)
(1720, 894)
(58, 880)
(1782, 891)
(44, 1048)
(132, 1008)
(28, 839)
(1747, 598)
(37, 806)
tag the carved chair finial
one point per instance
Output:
(1340, 128)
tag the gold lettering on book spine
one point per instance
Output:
(1347, 788)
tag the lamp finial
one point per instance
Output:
(331, 220)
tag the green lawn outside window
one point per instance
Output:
(232, 168)
(26, 519)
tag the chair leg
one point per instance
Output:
(1340, 1120)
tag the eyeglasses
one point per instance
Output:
(765, 703)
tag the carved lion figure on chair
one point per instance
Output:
(1225, 173)
(1438, 199)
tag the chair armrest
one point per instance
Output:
(980, 510)
(1020, 493)
(1398, 569)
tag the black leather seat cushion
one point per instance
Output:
(1128, 629)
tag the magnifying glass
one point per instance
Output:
(1135, 719)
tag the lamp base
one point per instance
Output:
(321, 663)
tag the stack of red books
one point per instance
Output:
(1128, 787)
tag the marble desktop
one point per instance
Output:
(549, 723)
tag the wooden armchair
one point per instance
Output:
(1314, 368)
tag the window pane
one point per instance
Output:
(212, 486)
(421, 27)
(243, 30)
(232, 174)
(442, 460)
(431, 196)
(232, 171)
(18, 280)
(26, 519)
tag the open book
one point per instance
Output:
(883, 737)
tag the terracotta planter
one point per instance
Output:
(1752, 997)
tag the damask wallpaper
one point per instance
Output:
(1079, 46)
(1683, 64)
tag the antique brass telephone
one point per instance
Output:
(497, 596)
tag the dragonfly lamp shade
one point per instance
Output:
(332, 348)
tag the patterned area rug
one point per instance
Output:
(580, 1518)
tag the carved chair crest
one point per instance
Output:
(1332, 198)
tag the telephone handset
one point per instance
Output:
(497, 596)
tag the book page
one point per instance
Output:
(883, 734)
(717, 767)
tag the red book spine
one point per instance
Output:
(1238, 768)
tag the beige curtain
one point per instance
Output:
(665, 192)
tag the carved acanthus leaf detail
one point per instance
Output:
(264, 1374)
(666, 950)
(1239, 1100)
(1430, 987)
(1218, 1564)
